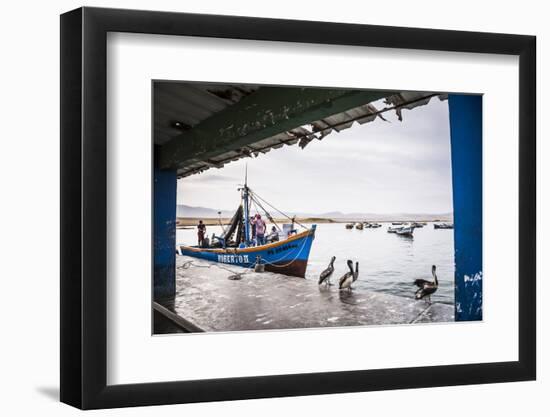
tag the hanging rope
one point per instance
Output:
(267, 214)
(254, 204)
(221, 225)
(292, 219)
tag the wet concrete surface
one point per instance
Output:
(206, 297)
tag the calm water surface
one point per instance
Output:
(387, 262)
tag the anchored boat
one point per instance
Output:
(402, 230)
(286, 252)
(405, 231)
(370, 225)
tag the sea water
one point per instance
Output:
(388, 263)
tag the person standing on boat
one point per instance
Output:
(201, 232)
(260, 230)
(253, 227)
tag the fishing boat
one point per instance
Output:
(405, 231)
(402, 230)
(288, 250)
(349, 226)
(443, 226)
(359, 226)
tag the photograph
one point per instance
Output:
(295, 207)
(283, 204)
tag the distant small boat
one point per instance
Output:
(359, 226)
(369, 225)
(405, 231)
(397, 223)
(443, 226)
(417, 225)
(402, 230)
(349, 226)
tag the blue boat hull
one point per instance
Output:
(288, 257)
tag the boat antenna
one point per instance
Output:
(246, 207)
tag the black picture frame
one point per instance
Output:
(84, 207)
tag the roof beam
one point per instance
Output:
(265, 113)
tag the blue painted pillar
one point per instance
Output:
(465, 114)
(164, 231)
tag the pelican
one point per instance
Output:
(327, 273)
(426, 288)
(356, 272)
(347, 279)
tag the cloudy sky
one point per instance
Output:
(379, 167)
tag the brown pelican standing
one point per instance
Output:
(327, 273)
(347, 279)
(426, 288)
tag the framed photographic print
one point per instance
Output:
(256, 208)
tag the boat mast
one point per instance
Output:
(245, 203)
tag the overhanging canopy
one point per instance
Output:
(198, 126)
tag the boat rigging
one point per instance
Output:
(286, 252)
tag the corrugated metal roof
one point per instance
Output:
(181, 106)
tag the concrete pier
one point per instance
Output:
(207, 299)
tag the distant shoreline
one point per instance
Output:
(193, 221)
